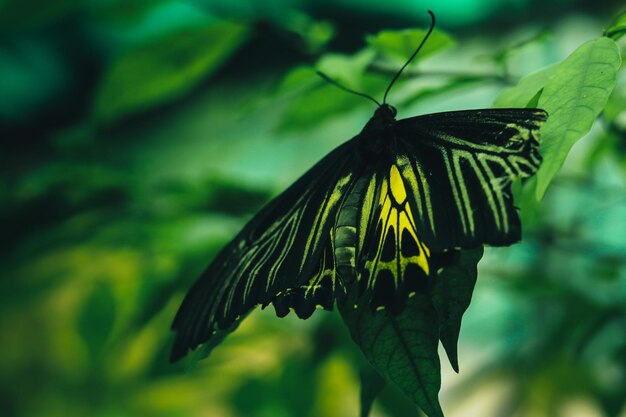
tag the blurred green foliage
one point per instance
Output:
(165, 69)
(137, 138)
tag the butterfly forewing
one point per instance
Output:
(459, 167)
(284, 246)
(447, 187)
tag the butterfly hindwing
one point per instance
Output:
(281, 248)
(316, 292)
(339, 257)
(459, 166)
(394, 262)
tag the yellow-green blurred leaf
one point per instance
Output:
(165, 69)
(96, 318)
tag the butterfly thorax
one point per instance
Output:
(376, 137)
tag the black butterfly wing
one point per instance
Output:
(283, 247)
(458, 168)
(447, 187)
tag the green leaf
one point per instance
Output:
(522, 93)
(165, 69)
(26, 14)
(504, 53)
(573, 97)
(534, 102)
(298, 79)
(372, 383)
(617, 28)
(616, 106)
(313, 99)
(317, 105)
(346, 69)
(322, 102)
(452, 296)
(402, 348)
(313, 35)
(400, 44)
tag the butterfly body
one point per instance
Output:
(375, 141)
(380, 215)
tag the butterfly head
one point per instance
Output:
(386, 113)
(383, 119)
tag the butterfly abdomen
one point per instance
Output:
(346, 232)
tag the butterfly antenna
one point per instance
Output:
(432, 26)
(336, 84)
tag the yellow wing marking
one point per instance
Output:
(397, 220)
(397, 186)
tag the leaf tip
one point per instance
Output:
(452, 353)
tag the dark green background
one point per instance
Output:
(137, 137)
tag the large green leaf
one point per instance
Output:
(452, 296)
(573, 97)
(402, 348)
(165, 69)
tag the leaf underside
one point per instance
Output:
(403, 347)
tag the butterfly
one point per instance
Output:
(381, 215)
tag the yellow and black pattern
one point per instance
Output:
(395, 261)
(381, 214)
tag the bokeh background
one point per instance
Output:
(136, 138)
